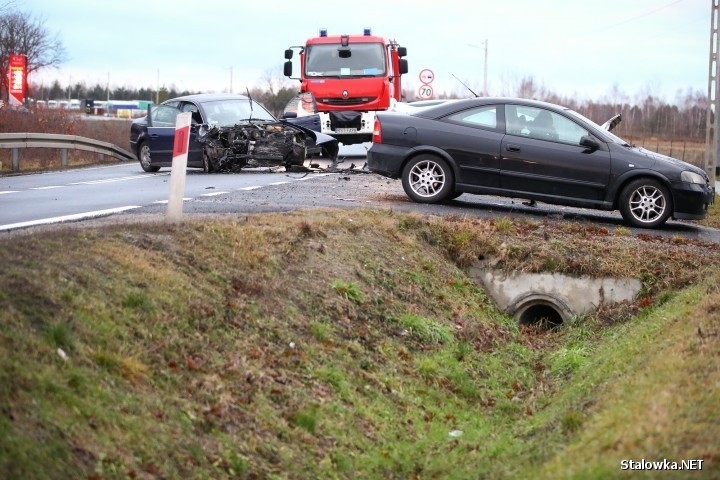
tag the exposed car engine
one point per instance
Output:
(254, 144)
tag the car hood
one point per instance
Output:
(654, 158)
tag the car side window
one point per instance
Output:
(193, 109)
(485, 116)
(163, 116)
(542, 124)
(569, 131)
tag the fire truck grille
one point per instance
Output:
(346, 101)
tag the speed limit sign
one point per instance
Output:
(425, 92)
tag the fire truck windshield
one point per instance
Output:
(365, 60)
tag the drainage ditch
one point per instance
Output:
(552, 298)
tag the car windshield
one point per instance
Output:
(365, 60)
(609, 135)
(226, 113)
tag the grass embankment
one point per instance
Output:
(713, 216)
(347, 344)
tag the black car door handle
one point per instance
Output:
(512, 148)
(154, 135)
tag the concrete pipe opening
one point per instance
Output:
(540, 309)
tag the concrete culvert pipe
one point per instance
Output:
(534, 308)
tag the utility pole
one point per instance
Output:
(485, 45)
(712, 145)
(157, 87)
(485, 91)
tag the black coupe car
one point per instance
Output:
(228, 132)
(536, 151)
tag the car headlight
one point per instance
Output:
(692, 177)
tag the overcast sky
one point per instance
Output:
(574, 48)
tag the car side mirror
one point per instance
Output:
(288, 54)
(589, 142)
(287, 68)
(289, 115)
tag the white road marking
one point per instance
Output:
(118, 179)
(47, 188)
(251, 188)
(162, 202)
(212, 194)
(67, 218)
(309, 177)
(9, 191)
(278, 183)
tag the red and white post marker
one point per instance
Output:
(179, 166)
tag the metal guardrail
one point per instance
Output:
(16, 141)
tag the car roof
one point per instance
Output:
(207, 97)
(457, 105)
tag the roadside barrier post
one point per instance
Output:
(179, 166)
(15, 160)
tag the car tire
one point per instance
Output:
(645, 203)
(144, 157)
(208, 164)
(428, 179)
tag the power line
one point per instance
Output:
(607, 27)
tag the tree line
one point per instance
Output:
(646, 115)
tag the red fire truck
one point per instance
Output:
(350, 77)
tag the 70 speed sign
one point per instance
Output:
(425, 92)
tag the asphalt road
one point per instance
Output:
(28, 200)
(124, 189)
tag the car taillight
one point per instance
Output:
(377, 131)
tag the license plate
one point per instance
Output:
(346, 130)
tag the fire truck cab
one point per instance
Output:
(350, 77)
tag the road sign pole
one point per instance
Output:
(179, 166)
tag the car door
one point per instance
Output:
(161, 132)
(541, 154)
(472, 138)
(195, 148)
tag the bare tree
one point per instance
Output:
(21, 33)
(278, 90)
(6, 6)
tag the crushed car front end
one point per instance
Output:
(262, 144)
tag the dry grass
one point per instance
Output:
(713, 216)
(325, 344)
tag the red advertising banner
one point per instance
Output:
(17, 79)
